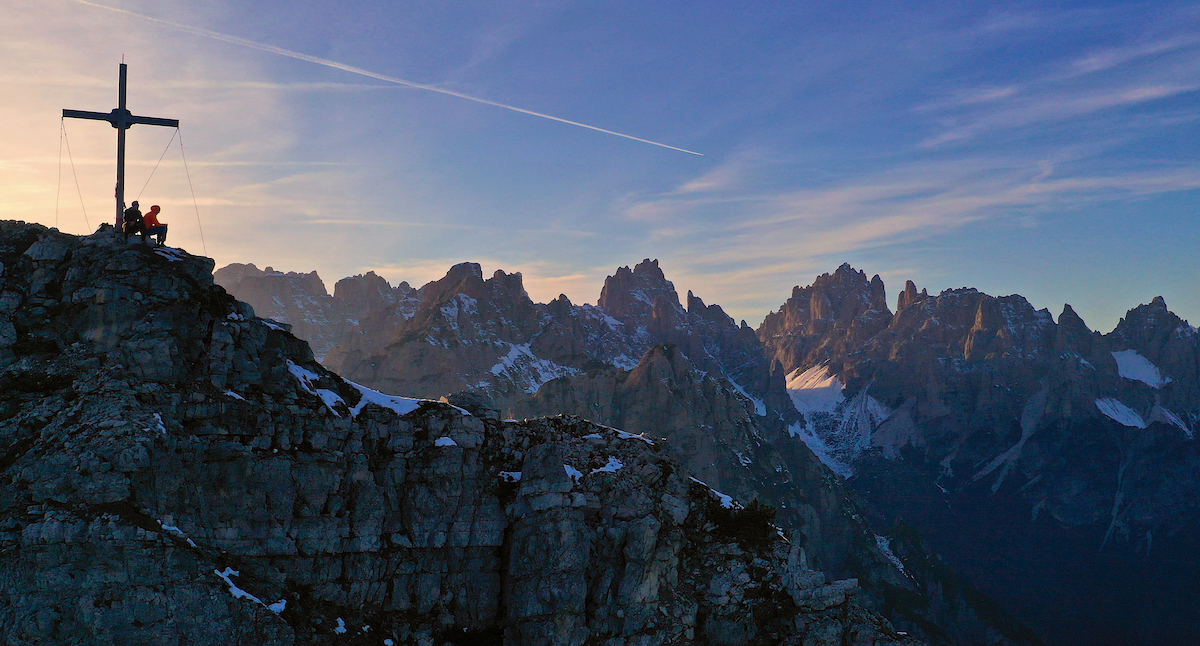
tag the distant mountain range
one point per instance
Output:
(1053, 466)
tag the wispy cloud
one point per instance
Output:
(1071, 89)
(1106, 59)
(1058, 106)
(766, 242)
(237, 40)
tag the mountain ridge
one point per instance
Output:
(968, 398)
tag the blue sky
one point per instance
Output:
(1046, 149)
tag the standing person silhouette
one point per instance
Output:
(154, 227)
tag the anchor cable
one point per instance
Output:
(195, 204)
(160, 158)
(72, 158)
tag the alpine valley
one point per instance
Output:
(986, 473)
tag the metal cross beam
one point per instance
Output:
(121, 119)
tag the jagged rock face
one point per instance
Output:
(635, 295)
(738, 354)
(1168, 342)
(466, 332)
(706, 424)
(1004, 431)
(301, 301)
(369, 293)
(719, 437)
(487, 335)
(647, 306)
(822, 323)
(180, 471)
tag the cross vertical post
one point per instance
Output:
(120, 118)
(120, 194)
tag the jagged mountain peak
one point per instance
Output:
(368, 287)
(1147, 316)
(513, 283)
(820, 322)
(909, 296)
(466, 278)
(712, 313)
(463, 276)
(633, 293)
(845, 277)
(649, 267)
(1072, 335)
(1070, 317)
(843, 295)
(310, 283)
(1158, 333)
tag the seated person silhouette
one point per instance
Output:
(133, 222)
(154, 227)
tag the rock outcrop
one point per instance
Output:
(179, 471)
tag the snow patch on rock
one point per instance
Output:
(760, 408)
(1120, 413)
(726, 500)
(1135, 367)
(1165, 416)
(527, 370)
(815, 389)
(613, 466)
(885, 546)
(820, 449)
(171, 253)
(239, 593)
(837, 429)
(630, 436)
(401, 405)
(307, 379)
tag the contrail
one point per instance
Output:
(358, 70)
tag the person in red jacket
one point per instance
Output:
(154, 227)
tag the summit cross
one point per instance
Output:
(121, 119)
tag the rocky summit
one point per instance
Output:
(178, 471)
